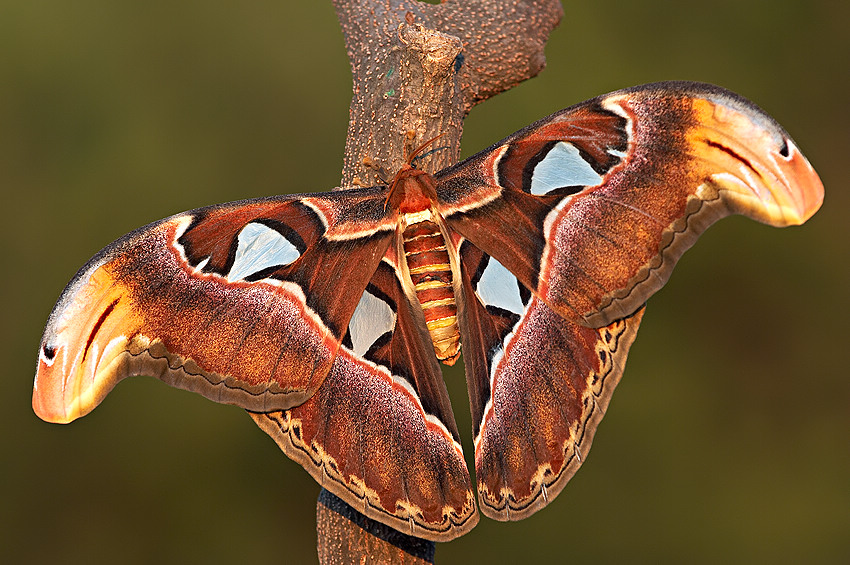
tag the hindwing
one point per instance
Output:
(539, 384)
(380, 433)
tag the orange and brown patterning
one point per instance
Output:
(326, 315)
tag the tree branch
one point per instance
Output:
(420, 68)
(417, 70)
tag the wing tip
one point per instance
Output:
(752, 160)
(61, 398)
(47, 398)
(46, 408)
(808, 192)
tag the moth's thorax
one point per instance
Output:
(412, 190)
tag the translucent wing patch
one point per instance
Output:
(562, 166)
(373, 318)
(498, 288)
(259, 247)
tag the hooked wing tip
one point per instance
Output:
(63, 391)
(48, 399)
(754, 163)
(747, 155)
(808, 196)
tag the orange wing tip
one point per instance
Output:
(48, 402)
(805, 194)
(61, 396)
(754, 165)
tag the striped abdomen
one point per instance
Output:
(431, 273)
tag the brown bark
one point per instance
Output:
(417, 70)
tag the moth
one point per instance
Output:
(326, 316)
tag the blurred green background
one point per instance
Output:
(728, 439)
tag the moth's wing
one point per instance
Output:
(380, 433)
(244, 303)
(591, 207)
(563, 230)
(539, 385)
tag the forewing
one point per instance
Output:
(379, 433)
(244, 303)
(591, 207)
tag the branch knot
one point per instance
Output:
(436, 51)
